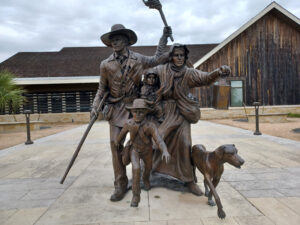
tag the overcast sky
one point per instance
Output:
(49, 25)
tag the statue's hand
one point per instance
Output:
(224, 71)
(93, 113)
(153, 4)
(167, 31)
(166, 156)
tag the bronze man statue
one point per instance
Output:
(120, 75)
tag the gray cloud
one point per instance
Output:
(50, 25)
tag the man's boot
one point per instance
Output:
(147, 185)
(118, 195)
(194, 188)
(135, 200)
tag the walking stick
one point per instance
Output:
(155, 4)
(92, 121)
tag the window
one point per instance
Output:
(42, 102)
(236, 93)
(70, 102)
(56, 102)
(84, 101)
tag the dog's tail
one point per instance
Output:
(197, 152)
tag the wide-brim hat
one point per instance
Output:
(139, 103)
(119, 29)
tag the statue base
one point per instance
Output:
(164, 181)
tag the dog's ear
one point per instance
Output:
(219, 152)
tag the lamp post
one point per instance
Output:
(256, 105)
(27, 115)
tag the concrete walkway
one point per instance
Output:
(265, 191)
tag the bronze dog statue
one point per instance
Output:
(211, 165)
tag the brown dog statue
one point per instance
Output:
(211, 165)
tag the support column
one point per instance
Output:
(91, 99)
(49, 103)
(63, 102)
(77, 101)
(35, 108)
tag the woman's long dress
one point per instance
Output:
(180, 110)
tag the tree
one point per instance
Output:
(10, 93)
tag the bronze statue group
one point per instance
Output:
(151, 98)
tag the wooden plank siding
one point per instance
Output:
(266, 57)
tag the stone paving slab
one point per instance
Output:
(25, 216)
(276, 211)
(80, 206)
(265, 191)
(6, 214)
(253, 220)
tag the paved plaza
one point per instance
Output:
(265, 191)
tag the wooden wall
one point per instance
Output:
(266, 56)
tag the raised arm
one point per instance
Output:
(159, 57)
(161, 48)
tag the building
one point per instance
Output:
(66, 81)
(264, 55)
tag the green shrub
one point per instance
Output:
(10, 93)
(295, 115)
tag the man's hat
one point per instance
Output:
(139, 103)
(119, 29)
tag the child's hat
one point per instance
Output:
(139, 103)
(150, 71)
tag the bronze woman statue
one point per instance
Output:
(180, 110)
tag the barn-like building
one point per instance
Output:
(264, 55)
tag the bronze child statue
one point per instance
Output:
(148, 92)
(211, 165)
(141, 132)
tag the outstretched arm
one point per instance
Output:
(160, 142)
(199, 78)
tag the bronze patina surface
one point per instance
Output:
(211, 165)
(179, 109)
(141, 132)
(150, 97)
(121, 77)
